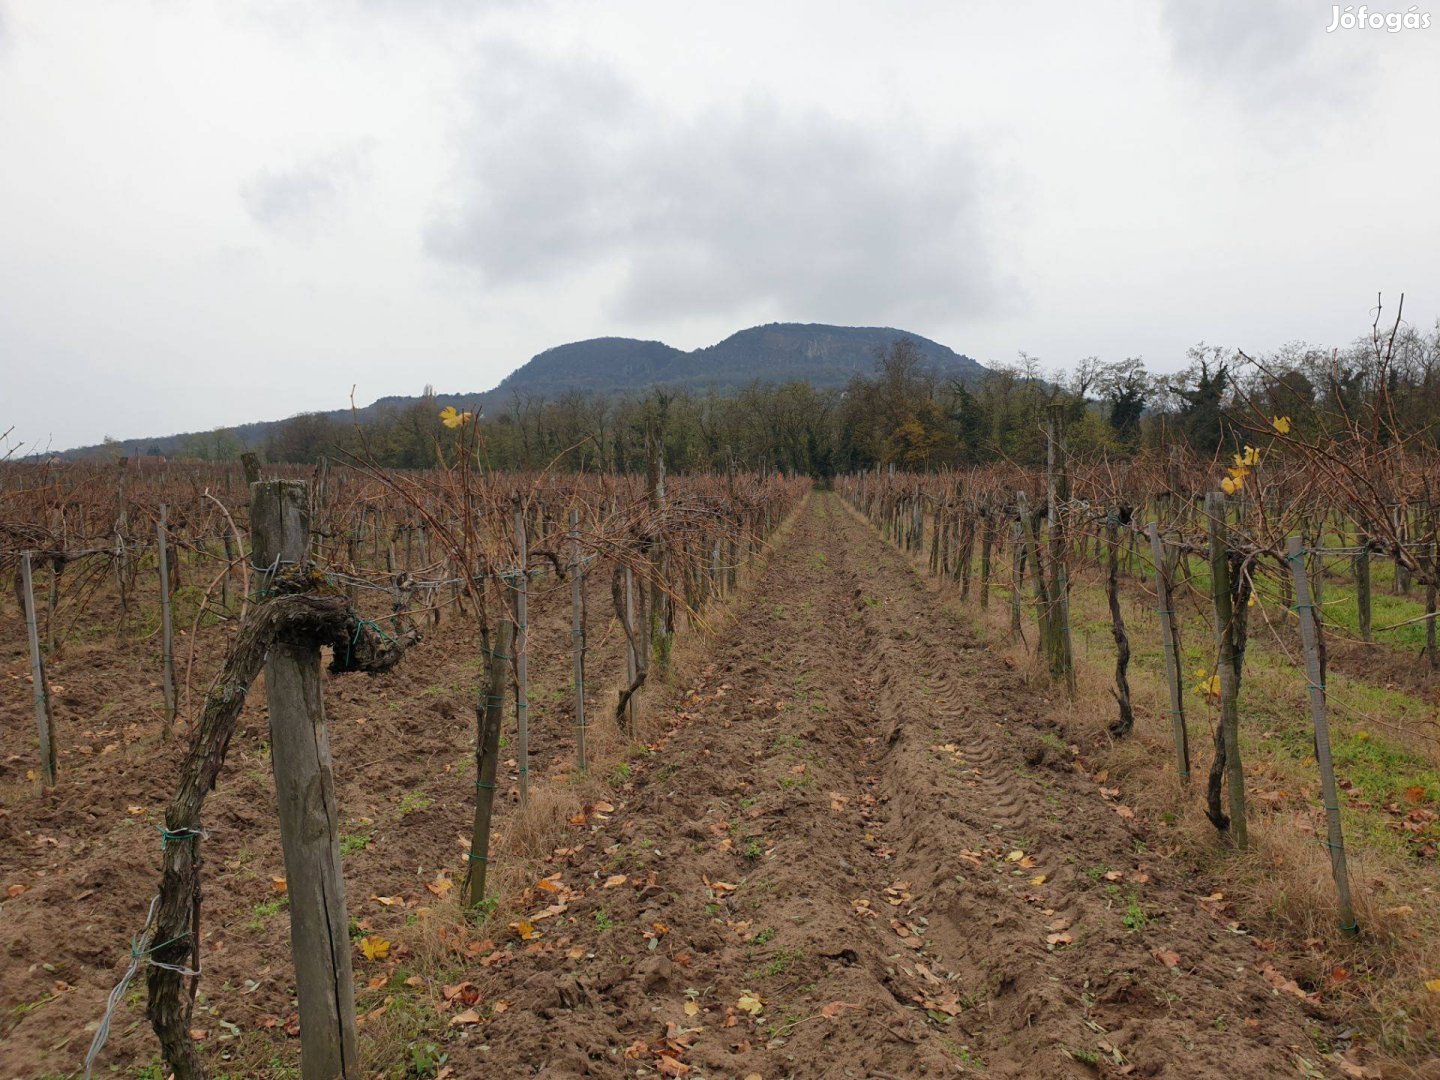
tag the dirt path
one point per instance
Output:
(863, 820)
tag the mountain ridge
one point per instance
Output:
(825, 355)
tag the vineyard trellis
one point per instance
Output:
(1224, 538)
(370, 559)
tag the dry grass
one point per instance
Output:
(1282, 888)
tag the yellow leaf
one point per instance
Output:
(1228, 486)
(453, 419)
(1038, 879)
(1015, 856)
(692, 1008)
(525, 930)
(374, 948)
(613, 880)
(278, 884)
(1281, 424)
(1433, 985)
(750, 1002)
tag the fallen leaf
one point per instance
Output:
(388, 901)
(1059, 939)
(750, 1002)
(613, 881)
(15, 890)
(1169, 957)
(1433, 985)
(278, 884)
(374, 948)
(525, 930)
(692, 1008)
(835, 1008)
(469, 1016)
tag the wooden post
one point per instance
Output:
(631, 660)
(490, 714)
(1166, 611)
(522, 670)
(1119, 516)
(1362, 585)
(577, 636)
(1017, 565)
(41, 691)
(122, 525)
(1229, 676)
(309, 817)
(1062, 662)
(987, 541)
(52, 600)
(1432, 564)
(229, 565)
(1295, 556)
(167, 628)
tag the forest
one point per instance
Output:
(906, 416)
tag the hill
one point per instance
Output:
(825, 356)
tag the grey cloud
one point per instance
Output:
(1270, 54)
(299, 199)
(565, 168)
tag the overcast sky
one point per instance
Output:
(217, 212)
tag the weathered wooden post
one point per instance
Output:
(577, 635)
(1229, 674)
(632, 662)
(987, 541)
(490, 714)
(522, 668)
(1119, 516)
(1432, 588)
(229, 566)
(1017, 565)
(1166, 611)
(122, 525)
(305, 793)
(1062, 651)
(1362, 585)
(1335, 840)
(41, 691)
(167, 628)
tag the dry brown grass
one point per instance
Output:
(1282, 888)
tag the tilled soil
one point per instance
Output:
(861, 850)
(83, 859)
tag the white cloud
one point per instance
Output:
(564, 166)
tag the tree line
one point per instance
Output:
(904, 414)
